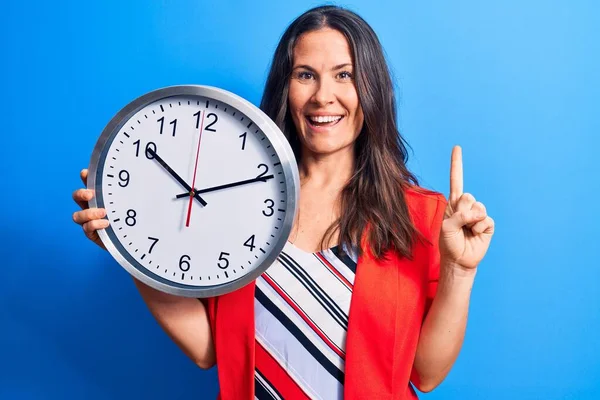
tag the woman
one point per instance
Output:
(370, 295)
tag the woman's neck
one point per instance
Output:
(330, 171)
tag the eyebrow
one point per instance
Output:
(308, 67)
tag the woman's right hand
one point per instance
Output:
(184, 319)
(90, 219)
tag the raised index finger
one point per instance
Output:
(456, 175)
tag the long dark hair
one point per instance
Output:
(373, 197)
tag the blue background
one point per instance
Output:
(516, 83)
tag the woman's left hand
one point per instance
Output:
(467, 229)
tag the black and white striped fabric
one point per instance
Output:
(301, 310)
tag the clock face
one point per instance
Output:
(199, 188)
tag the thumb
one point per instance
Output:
(462, 218)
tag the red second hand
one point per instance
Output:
(189, 213)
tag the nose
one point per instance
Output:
(324, 93)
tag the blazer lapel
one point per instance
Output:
(369, 352)
(234, 343)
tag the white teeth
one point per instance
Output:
(323, 119)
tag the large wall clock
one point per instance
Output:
(200, 188)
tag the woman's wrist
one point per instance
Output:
(454, 271)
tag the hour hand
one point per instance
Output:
(228, 185)
(176, 176)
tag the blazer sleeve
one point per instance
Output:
(434, 256)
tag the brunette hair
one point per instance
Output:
(373, 198)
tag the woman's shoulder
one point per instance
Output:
(424, 205)
(420, 195)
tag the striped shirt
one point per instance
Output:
(301, 309)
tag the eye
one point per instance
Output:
(345, 75)
(305, 75)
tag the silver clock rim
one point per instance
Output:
(267, 126)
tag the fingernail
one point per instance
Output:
(101, 213)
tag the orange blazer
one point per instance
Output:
(389, 302)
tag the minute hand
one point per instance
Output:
(228, 185)
(175, 175)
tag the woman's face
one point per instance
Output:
(322, 99)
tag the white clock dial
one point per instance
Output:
(232, 224)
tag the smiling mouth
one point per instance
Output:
(324, 121)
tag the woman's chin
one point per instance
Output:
(326, 147)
